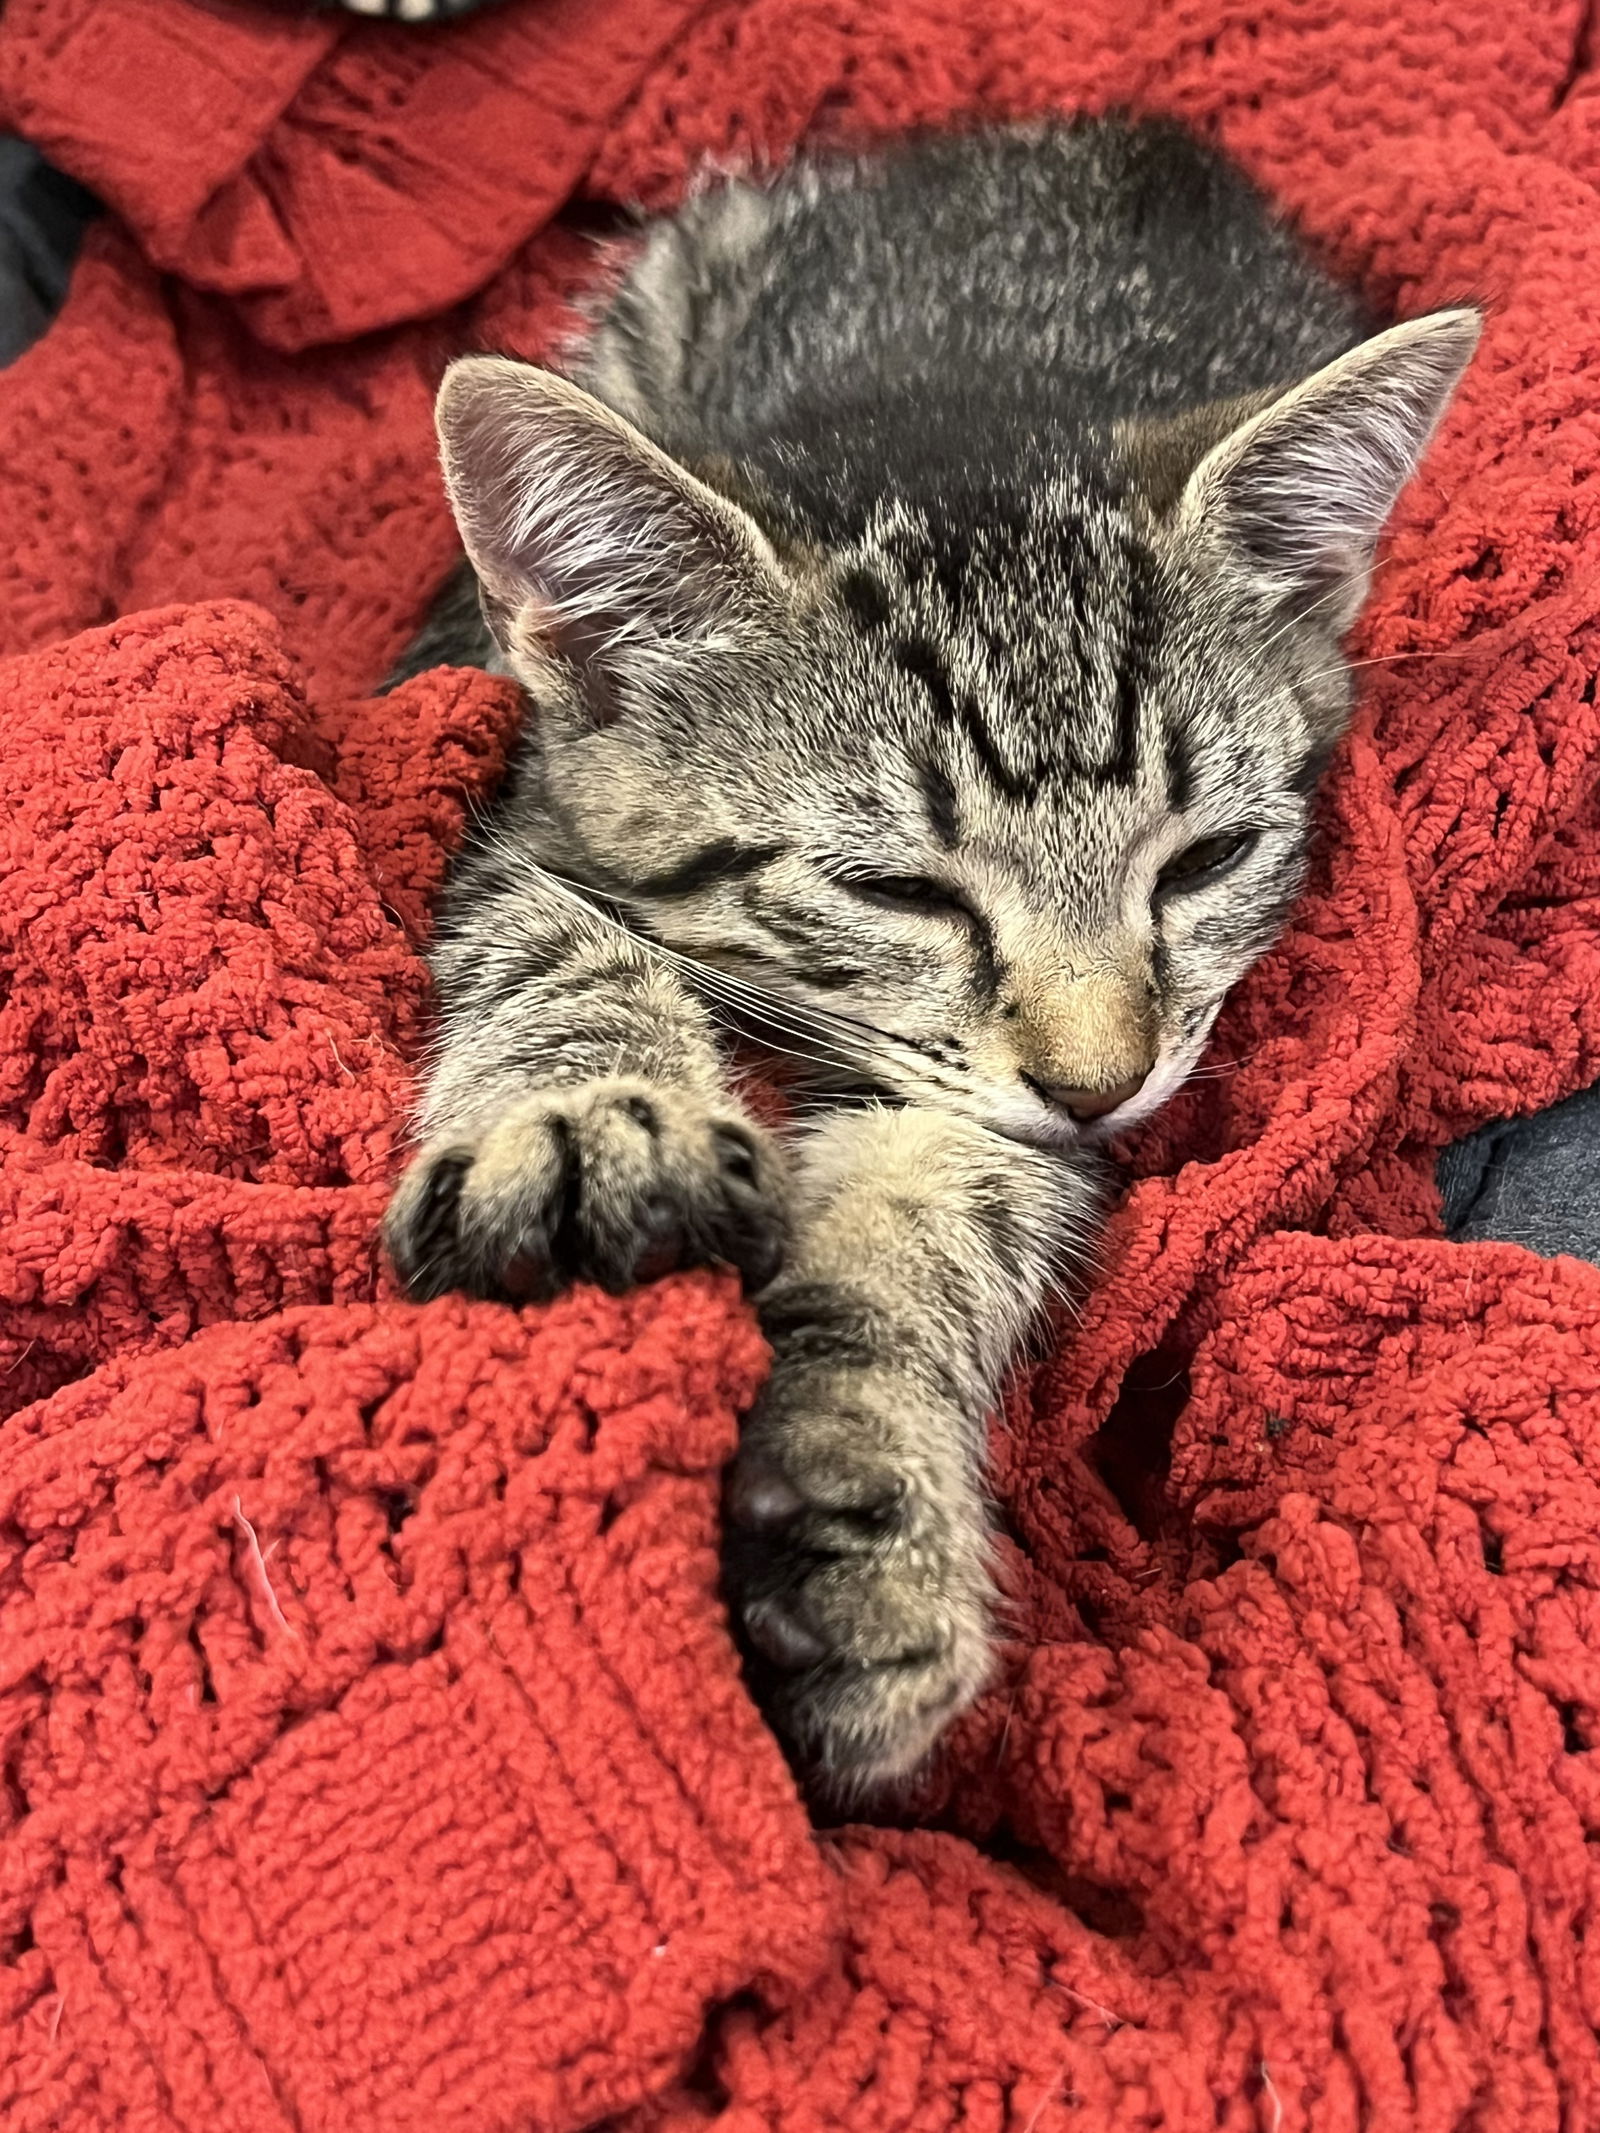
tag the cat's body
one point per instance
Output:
(954, 724)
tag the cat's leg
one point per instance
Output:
(857, 1545)
(576, 1125)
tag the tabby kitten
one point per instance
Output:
(929, 607)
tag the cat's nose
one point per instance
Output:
(1086, 1105)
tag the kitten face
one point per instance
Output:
(1000, 816)
(991, 809)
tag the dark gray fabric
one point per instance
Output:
(42, 219)
(1532, 1181)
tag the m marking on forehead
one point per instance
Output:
(1112, 719)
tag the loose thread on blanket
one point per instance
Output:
(1052, 2091)
(19, 1359)
(1269, 2090)
(1082, 1999)
(259, 1563)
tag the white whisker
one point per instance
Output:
(839, 1040)
(1303, 615)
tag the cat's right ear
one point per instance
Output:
(1295, 498)
(594, 548)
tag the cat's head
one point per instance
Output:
(992, 808)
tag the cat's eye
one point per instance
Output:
(908, 892)
(1205, 861)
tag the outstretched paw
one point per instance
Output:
(856, 1564)
(615, 1182)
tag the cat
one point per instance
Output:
(929, 600)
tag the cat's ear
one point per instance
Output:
(593, 547)
(1298, 494)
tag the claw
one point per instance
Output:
(614, 1182)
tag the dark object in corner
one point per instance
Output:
(1531, 1181)
(43, 215)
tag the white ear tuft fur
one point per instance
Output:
(1298, 495)
(590, 542)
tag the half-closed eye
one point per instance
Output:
(909, 892)
(1205, 861)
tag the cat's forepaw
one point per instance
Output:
(857, 1570)
(616, 1182)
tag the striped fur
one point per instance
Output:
(929, 608)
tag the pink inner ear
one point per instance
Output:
(511, 449)
(538, 632)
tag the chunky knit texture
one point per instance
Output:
(374, 1755)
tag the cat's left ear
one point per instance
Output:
(1297, 495)
(595, 549)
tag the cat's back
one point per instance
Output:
(1063, 272)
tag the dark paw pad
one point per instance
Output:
(860, 1606)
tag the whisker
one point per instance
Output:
(1388, 659)
(834, 1043)
(838, 1041)
(1337, 592)
(1206, 1067)
(1381, 659)
(850, 1041)
(771, 1014)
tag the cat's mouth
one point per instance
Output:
(1034, 1117)
(1036, 1123)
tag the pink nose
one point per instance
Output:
(1086, 1105)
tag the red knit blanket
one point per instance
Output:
(373, 1756)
